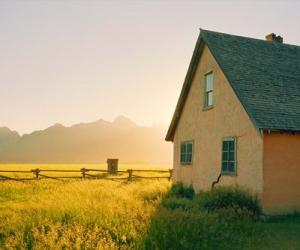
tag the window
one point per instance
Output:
(229, 155)
(209, 87)
(186, 153)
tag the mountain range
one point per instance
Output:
(92, 142)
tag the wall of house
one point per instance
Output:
(281, 172)
(207, 128)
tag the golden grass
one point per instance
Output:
(95, 214)
(76, 214)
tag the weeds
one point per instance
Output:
(96, 214)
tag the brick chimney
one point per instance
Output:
(274, 38)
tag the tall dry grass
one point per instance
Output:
(84, 214)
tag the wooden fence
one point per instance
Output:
(86, 173)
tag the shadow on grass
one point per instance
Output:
(184, 220)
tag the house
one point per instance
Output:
(237, 120)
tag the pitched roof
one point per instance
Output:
(265, 76)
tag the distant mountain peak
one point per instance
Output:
(8, 136)
(123, 121)
(55, 126)
(6, 130)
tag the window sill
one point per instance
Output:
(229, 173)
(185, 164)
(207, 107)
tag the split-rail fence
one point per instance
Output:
(85, 173)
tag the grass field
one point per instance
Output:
(103, 214)
(89, 214)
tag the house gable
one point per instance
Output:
(264, 75)
(207, 127)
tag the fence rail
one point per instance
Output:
(86, 173)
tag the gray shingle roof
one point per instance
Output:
(265, 76)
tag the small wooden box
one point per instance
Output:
(112, 166)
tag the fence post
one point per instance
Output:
(36, 172)
(129, 174)
(83, 170)
(171, 174)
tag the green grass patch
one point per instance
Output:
(225, 218)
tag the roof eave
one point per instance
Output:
(281, 130)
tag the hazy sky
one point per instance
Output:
(75, 61)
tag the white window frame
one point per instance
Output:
(208, 90)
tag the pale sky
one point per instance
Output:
(78, 61)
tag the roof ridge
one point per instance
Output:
(247, 37)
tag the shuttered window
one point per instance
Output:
(229, 155)
(209, 88)
(186, 153)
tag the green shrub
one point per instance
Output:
(180, 191)
(178, 203)
(180, 229)
(233, 199)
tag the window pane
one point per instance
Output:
(231, 156)
(224, 166)
(231, 145)
(182, 152)
(231, 166)
(225, 146)
(224, 156)
(209, 86)
(189, 158)
(209, 98)
(209, 82)
(189, 148)
(183, 158)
